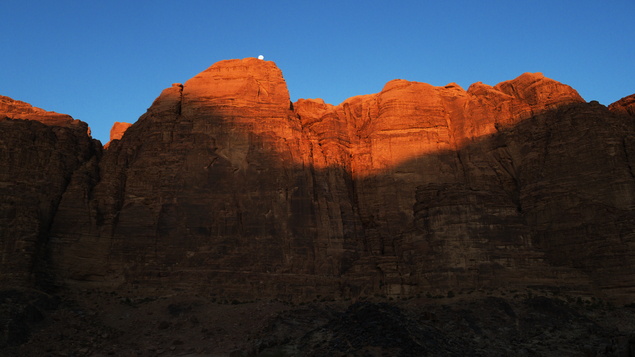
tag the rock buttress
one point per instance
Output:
(40, 152)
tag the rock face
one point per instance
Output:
(226, 187)
(212, 178)
(39, 153)
(624, 106)
(15, 109)
(117, 131)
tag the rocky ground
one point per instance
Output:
(531, 322)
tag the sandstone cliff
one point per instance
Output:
(624, 106)
(116, 132)
(39, 153)
(213, 188)
(226, 187)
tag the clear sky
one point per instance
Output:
(106, 61)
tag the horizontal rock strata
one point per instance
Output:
(226, 187)
(39, 153)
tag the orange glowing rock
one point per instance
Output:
(407, 119)
(225, 186)
(624, 106)
(117, 131)
(15, 109)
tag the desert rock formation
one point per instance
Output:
(226, 187)
(625, 106)
(225, 204)
(117, 131)
(39, 153)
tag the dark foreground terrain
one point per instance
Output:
(533, 322)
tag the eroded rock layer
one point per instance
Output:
(226, 187)
(39, 153)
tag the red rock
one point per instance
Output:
(227, 188)
(232, 84)
(39, 153)
(15, 109)
(222, 180)
(409, 119)
(625, 106)
(117, 131)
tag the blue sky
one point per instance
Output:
(106, 61)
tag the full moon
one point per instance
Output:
(261, 57)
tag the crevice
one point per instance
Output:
(628, 159)
(179, 106)
(514, 193)
(41, 271)
(463, 169)
(545, 150)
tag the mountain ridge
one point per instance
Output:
(378, 155)
(224, 191)
(342, 195)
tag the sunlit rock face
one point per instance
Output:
(39, 153)
(117, 131)
(226, 187)
(624, 106)
(15, 109)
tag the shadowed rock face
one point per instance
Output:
(226, 187)
(39, 153)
